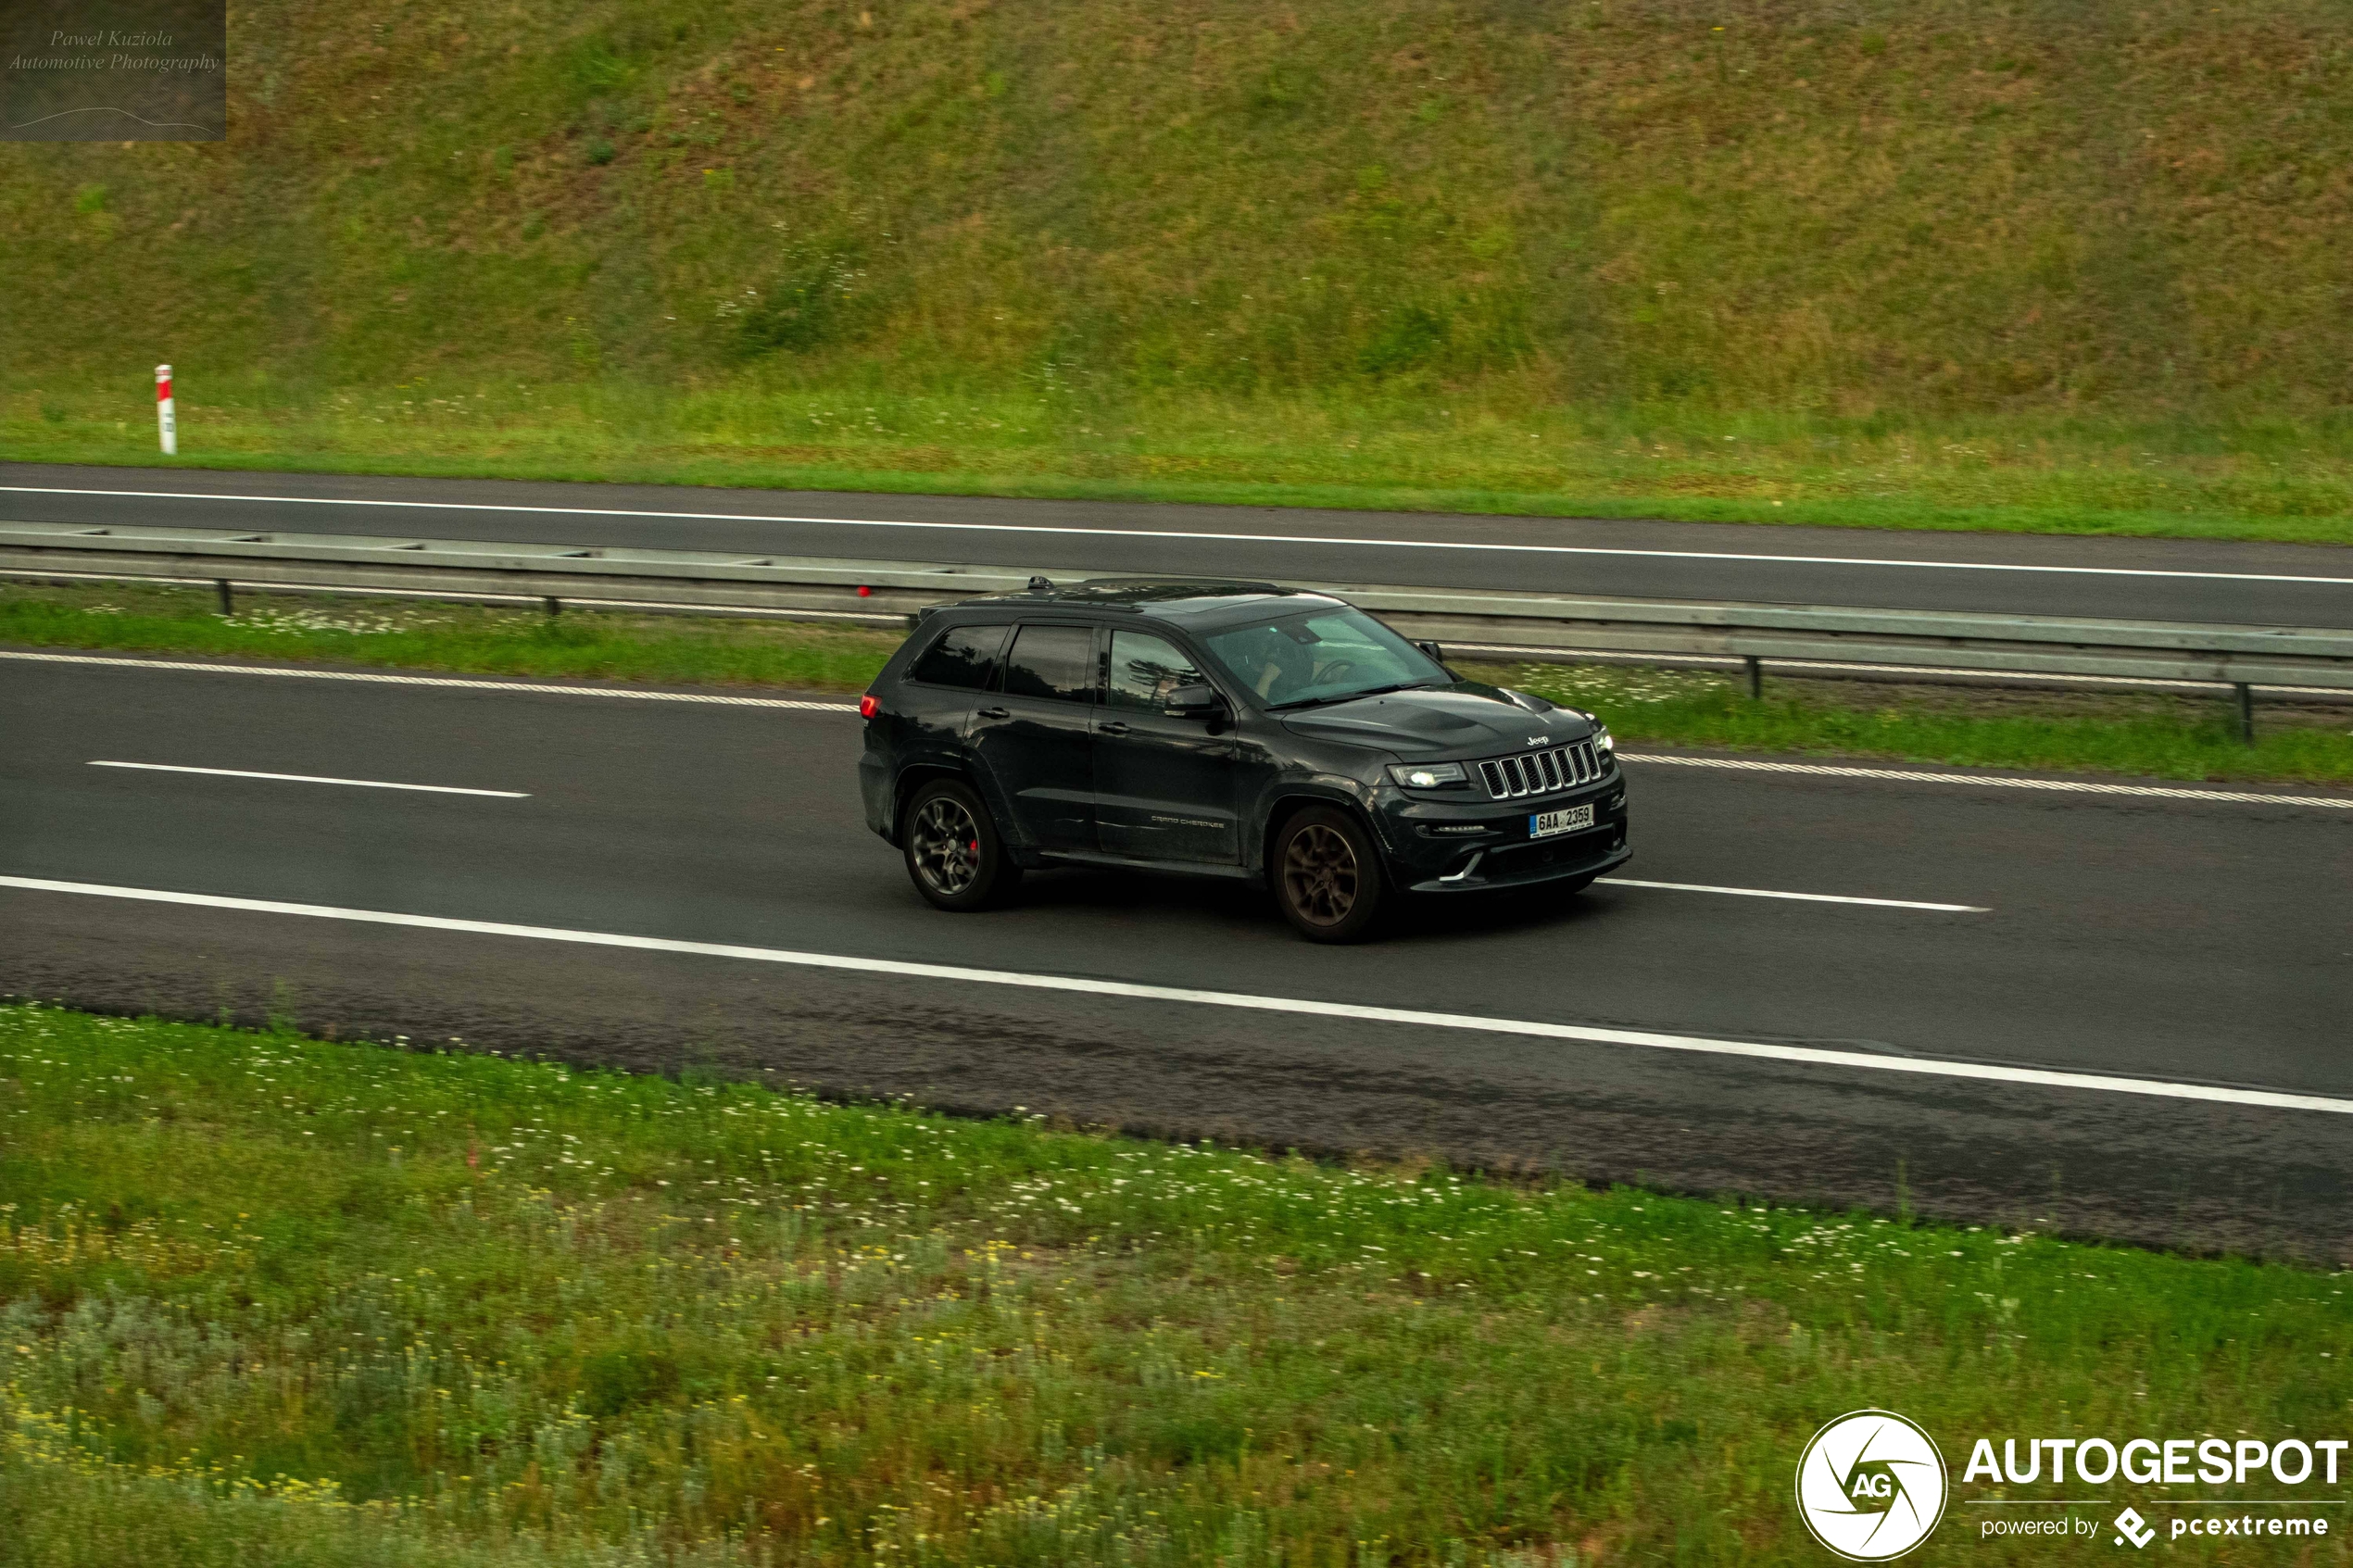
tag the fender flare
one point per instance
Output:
(1285, 800)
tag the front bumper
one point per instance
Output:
(1462, 846)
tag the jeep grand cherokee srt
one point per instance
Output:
(1225, 729)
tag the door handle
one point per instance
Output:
(995, 713)
(1113, 728)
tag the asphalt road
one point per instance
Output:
(2193, 941)
(2127, 579)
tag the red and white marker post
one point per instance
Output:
(164, 430)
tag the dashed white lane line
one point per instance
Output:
(1801, 897)
(1984, 780)
(1933, 1066)
(314, 778)
(721, 699)
(1204, 535)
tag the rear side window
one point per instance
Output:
(963, 658)
(1052, 661)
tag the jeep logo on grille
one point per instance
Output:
(1536, 740)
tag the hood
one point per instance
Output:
(1442, 724)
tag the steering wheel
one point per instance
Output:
(1338, 670)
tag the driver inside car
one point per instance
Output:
(1274, 662)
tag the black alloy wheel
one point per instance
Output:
(1326, 876)
(954, 857)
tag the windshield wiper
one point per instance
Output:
(1346, 697)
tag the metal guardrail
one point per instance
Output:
(2245, 657)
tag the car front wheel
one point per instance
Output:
(1326, 876)
(954, 856)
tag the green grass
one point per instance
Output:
(1489, 450)
(269, 1298)
(2177, 737)
(1894, 265)
(405, 636)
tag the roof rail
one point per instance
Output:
(1242, 584)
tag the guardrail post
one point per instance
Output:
(2247, 713)
(555, 605)
(228, 599)
(1756, 677)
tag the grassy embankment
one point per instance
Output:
(2179, 737)
(1899, 265)
(273, 1299)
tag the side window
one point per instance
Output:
(963, 658)
(1052, 661)
(1144, 669)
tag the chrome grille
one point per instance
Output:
(1540, 773)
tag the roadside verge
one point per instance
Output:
(590, 1311)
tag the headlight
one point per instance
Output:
(1603, 740)
(1428, 775)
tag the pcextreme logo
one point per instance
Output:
(1871, 1486)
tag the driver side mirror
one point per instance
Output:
(1193, 702)
(1437, 653)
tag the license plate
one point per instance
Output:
(1544, 824)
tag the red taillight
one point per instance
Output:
(869, 705)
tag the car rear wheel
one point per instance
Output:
(1326, 876)
(954, 856)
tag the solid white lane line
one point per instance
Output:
(1805, 1055)
(460, 683)
(1802, 897)
(314, 778)
(457, 683)
(1184, 534)
(2069, 786)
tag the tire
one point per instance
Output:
(1326, 876)
(954, 856)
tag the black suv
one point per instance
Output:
(1227, 729)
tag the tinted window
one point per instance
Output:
(1144, 669)
(961, 658)
(1320, 658)
(1051, 662)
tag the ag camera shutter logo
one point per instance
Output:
(1871, 1486)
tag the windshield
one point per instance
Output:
(1322, 657)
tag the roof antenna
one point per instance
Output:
(1036, 584)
